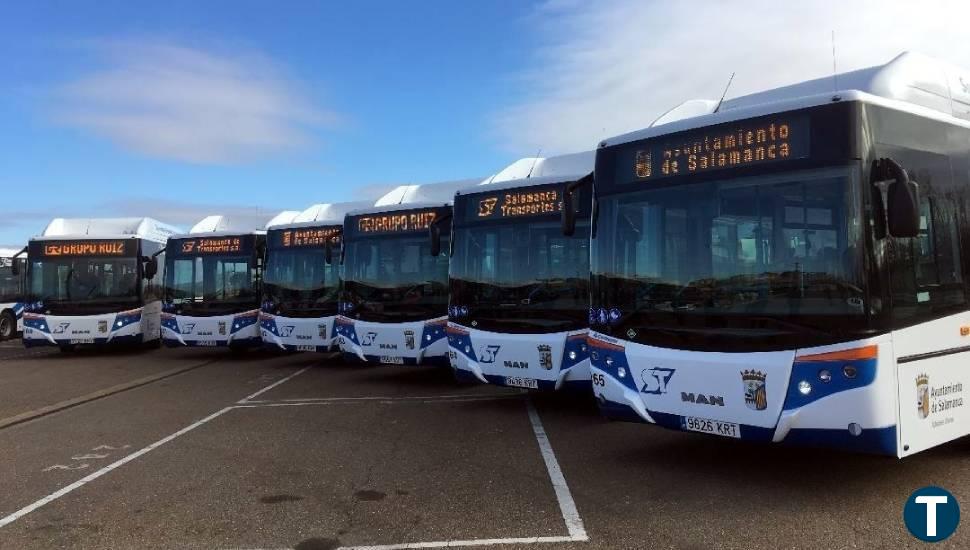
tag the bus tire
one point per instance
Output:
(8, 325)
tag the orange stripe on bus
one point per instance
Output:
(867, 352)
(594, 343)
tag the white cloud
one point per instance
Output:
(183, 103)
(607, 67)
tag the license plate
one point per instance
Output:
(520, 382)
(707, 426)
(82, 341)
(391, 360)
(205, 343)
(306, 347)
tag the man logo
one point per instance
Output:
(187, 328)
(701, 399)
(368, 339)
(755, 392)
(923, 395)
(486, 207)
(655, 380)
(490, 353)
(931, 514)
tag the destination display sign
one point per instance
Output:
(119, 247)
(202, 246)
(306, 237)
(514, 203)
(732, 145)
(396, 222)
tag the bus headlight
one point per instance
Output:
(850, 371)
(621, 372)
(572, 355)
(609, 361)
(825, 375)
(804, 387)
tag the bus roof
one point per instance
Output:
(328, 213)
(910, 82)
(107, 228)
(222, 226)
(531, 171)
(406, 197)
(9, 252)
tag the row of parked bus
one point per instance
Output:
(787, 266)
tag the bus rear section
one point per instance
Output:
(12, 293)
(300, 287)
(394, 291)
(94, 290)
(519, 281)
(212, 291)
(789, 272)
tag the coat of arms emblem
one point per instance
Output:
(545, 356)
(923, 395)
(755, 392)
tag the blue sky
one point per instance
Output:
(179, 109)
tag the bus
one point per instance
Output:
(519, 276)
(212, 280)
(394, 290)
(301, 279)
(12, 291)
(792, 267)
(94, 281)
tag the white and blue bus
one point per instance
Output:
(519, 276)
(13, 271)
(212, 283)
(301, 279)
(94, 281)
(394, 287)
(793, 266)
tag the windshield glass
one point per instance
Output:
(216, 284)
(11, 286)
(521, 276)
(756, 258)
(301, 283)
(394, 278)
(80, 280)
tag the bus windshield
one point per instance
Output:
(394, 278)
(301, 283)
(11, 286)
(213, 284)
(522, 276)
(78, 281)
(751, 260)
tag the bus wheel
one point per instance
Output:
(7, 326)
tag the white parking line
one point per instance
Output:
(95, 475)
(388, 399)
(274, 384)
(457, 543)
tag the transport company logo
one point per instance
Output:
(931, 514)
(490, 353)
(701, 399)
(187, 328)
(655, 380)
(61, 328)
(755, 391)
(368, 339)
(286, 330)
(486, 207)
(923, 395)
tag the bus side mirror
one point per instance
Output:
(328, 252)
(569, 205)
(15, 267)
(568, 213)
(435, 231)
(900, 198)
(151, 268)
